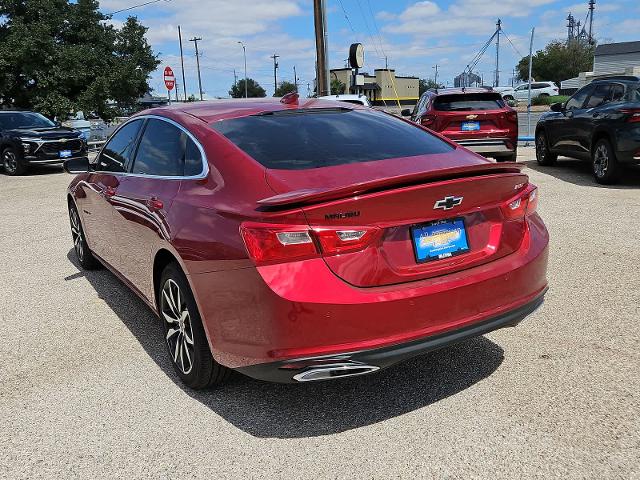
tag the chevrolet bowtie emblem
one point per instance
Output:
(471, 117)
(447, 203)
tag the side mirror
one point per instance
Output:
(405, 112)
(557, 107)
(76, 165)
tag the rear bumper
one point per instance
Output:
(493, 146)
(301, 309)
(289, 371)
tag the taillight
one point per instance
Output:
(634, 114)
(525, 203)
(428, 120)
(334, 241)
(512, 116)
(270, 243)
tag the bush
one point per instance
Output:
(549, 100)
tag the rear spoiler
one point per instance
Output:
(314, 195)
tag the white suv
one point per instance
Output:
(538, 89)
(349, 98)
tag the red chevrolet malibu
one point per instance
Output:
(306, 240)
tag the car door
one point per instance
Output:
(164, 157)
(562, 132)
(521, 92)
(101, 187)
(588, 119)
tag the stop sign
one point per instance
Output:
(169, 78)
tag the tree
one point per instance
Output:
(426, 84)
(337, 87)
(558, 61)
(284, 88)
(58, 57)
(254, 90)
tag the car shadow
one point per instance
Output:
(579, 173)
(270, 410)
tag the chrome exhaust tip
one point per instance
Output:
(333, 371)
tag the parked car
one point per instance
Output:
(29, 138)
(307, 241)
(508, 93)
(600, 123)
(476, 118)
(538, 89)
(349, 98)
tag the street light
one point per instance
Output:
(244, 52)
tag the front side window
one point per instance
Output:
(617, 92)
(599, 96)
(578, 98)
(117, 153)
(315, 138)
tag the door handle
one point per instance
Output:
(154, 204)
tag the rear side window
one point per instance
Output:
(468, 101)
(314, 138)
(118, 151)
(161, 151)
(634, 94)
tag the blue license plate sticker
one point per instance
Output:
(470, 126)
(65, 153)
(438, 240)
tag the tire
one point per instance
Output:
(543, 95)
(83, 254)
(508, 158)
(544, 156)
(184, 334)
(604, 163)
(508, 98)
(12, 162)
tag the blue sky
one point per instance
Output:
(414, 36)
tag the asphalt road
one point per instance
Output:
(87, 390)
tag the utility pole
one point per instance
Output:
(323, 84)
(529, 81)
(386, 63)
(499, 28)
(436, 78)
(244, 52)
(275, 71)
(308, 90)
(235, 78)
(592, 6)
(195, 40)
(295, 77)
(184, 81)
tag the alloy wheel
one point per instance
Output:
(601, 161)
(177, 320)
(541, 148)
(10, 161)
(76, 233)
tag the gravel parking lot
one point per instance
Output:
(87, 390)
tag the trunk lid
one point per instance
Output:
(394, 204)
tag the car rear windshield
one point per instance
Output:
(468, 101)
(314, 138)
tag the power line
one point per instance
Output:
(346, 16)
(136, 6)
(511, 43)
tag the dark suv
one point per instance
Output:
(29, 138)
(600, 123)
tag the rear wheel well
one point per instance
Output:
(163, 258)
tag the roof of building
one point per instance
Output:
(617, 48)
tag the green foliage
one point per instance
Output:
(254, 90)
(58, 57)
(558, 61)
(549, 100)
(426, 84)
(337, 87)
(284, 88)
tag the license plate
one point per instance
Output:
(470, 126)
(438, 240)
(65, 153)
